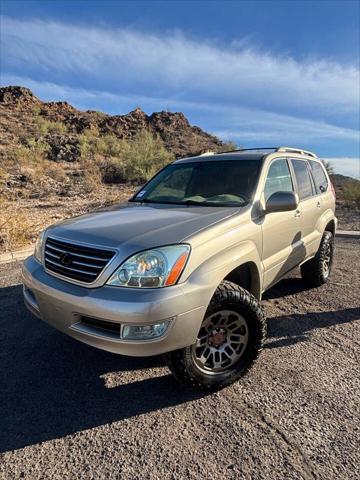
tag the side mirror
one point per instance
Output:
(281, 202)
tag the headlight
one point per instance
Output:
(39, 247)
(160, 267)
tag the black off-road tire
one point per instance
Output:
(228, 296)
(313, 272)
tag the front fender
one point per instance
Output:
(204, 280)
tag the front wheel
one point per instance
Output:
(316, 272)
(229, 341)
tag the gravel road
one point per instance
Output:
(69, 411)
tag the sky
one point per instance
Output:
(259, 73)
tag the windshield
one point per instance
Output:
(215, 183)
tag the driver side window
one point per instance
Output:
(278, 178)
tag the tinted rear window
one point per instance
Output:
(321, 182)
(302, 179)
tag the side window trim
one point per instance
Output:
(295, 184)
(313, 187)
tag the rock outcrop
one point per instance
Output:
(20, 109)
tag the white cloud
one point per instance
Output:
(257, 124)
(349, 166)
(172, 63)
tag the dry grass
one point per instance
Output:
(15, 228)
(21, 220)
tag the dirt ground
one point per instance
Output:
(348, 217)
(70, 411)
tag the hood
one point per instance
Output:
(136, 227)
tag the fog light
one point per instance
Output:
(144, 332)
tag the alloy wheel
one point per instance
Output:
(221, 342)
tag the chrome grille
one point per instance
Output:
(75, 261)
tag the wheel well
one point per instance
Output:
(330, 227)
(246, 276)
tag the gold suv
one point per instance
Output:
(180, 268)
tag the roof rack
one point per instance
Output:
(275, 149)
(296, 150)
(251, 149)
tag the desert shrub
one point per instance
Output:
(36, 110)
(45, 126)
(90, 173)
(27, 157)
(351, 194)
(143, 156)
(28, 154)
(21, 167)
(87, 142)
(31, 171)
(109, 146)
(94, 153)
(119, 160)
(91, 143)
(36, 148)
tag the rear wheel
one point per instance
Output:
(316, 272)
(229, 341)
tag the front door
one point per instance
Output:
(282, 238)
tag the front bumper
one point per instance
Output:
(63, 304)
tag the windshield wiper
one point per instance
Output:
(213, 204)
(193, 202)
(190, 203)
(145, 200)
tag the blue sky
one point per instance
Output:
(256, 72)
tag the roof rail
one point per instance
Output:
(251, 149)
(275, 149)
(296, 150)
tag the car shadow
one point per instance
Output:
(291, 329)
(286, 287)
(52, 386)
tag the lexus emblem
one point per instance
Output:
(66, 259)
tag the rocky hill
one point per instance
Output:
(21, 110)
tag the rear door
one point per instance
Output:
(282, 244)
(322, 186)
(309, 203)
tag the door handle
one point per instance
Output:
(298, 213)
